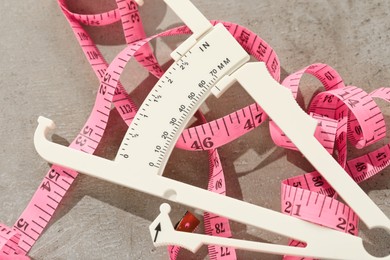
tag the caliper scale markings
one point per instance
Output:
(151, 156)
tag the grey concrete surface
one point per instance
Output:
(43, 72)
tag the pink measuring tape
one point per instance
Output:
(342, 113)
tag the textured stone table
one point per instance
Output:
(43, 72)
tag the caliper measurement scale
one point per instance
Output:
(209, 56)
(188, 95)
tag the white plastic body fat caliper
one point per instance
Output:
(208, 47)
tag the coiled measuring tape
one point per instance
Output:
(207, 136)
